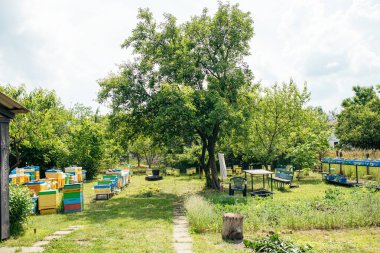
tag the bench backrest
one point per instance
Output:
(284, 174)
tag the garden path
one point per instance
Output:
(39, 246)
(182, 241)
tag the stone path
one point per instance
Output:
(182, 241)
(39, 246)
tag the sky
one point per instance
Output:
(67, 45)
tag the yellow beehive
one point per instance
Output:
(48, 199)
(102, 191)
(56, 175)
(52, 183)
(37, 187)
(80, 177)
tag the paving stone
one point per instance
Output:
(31, 249)
(181, 234)
(41, 243)
(183, 240)
(7, 250)
(177, 230)
(52, 237)
(183, 224)
(183, 247)
(63, 232)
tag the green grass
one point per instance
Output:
(130, 222)
(328, 220)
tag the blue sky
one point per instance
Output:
(68, 45)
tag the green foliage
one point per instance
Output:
(274, 244)
(144, 148)
(277, 123)
(86, 144)
(201, 214)
(38, 137)
(358, 123)
(20, 207)
(51, 135)
(184, 83)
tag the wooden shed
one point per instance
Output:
(8, 110)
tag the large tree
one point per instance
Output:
(185, 78)
(40, 136)
(358, 124)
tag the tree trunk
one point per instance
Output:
(232, 227)
(202, 158)
(138, 160)
(212, 164)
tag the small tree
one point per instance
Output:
(358, 123)
(144, 147)
(278, 123)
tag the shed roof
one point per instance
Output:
(7, 103)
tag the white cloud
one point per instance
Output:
(68, 45)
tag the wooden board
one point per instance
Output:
(4, 173)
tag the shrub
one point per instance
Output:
(273, 243)
(201, 214)
(20, 207)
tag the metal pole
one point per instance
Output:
(357, 177)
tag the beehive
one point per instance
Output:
(36, 186)
(73, 200)
(48, 199)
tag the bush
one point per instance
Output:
(273, 243)
(201, 214)
(20, 207)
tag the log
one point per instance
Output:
(232, 227)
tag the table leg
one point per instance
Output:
(252, 182)
(263, 181)
(271, 183)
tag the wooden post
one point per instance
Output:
(232, 227)
(8, 110)
(4, 175)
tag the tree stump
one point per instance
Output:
(232, 227)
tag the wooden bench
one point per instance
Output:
(283, 176)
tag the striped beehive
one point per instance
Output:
(48, 201)
(73, 200)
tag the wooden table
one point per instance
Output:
(259, 173)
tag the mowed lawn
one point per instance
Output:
(130, 222)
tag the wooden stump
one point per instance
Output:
(232, 227)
